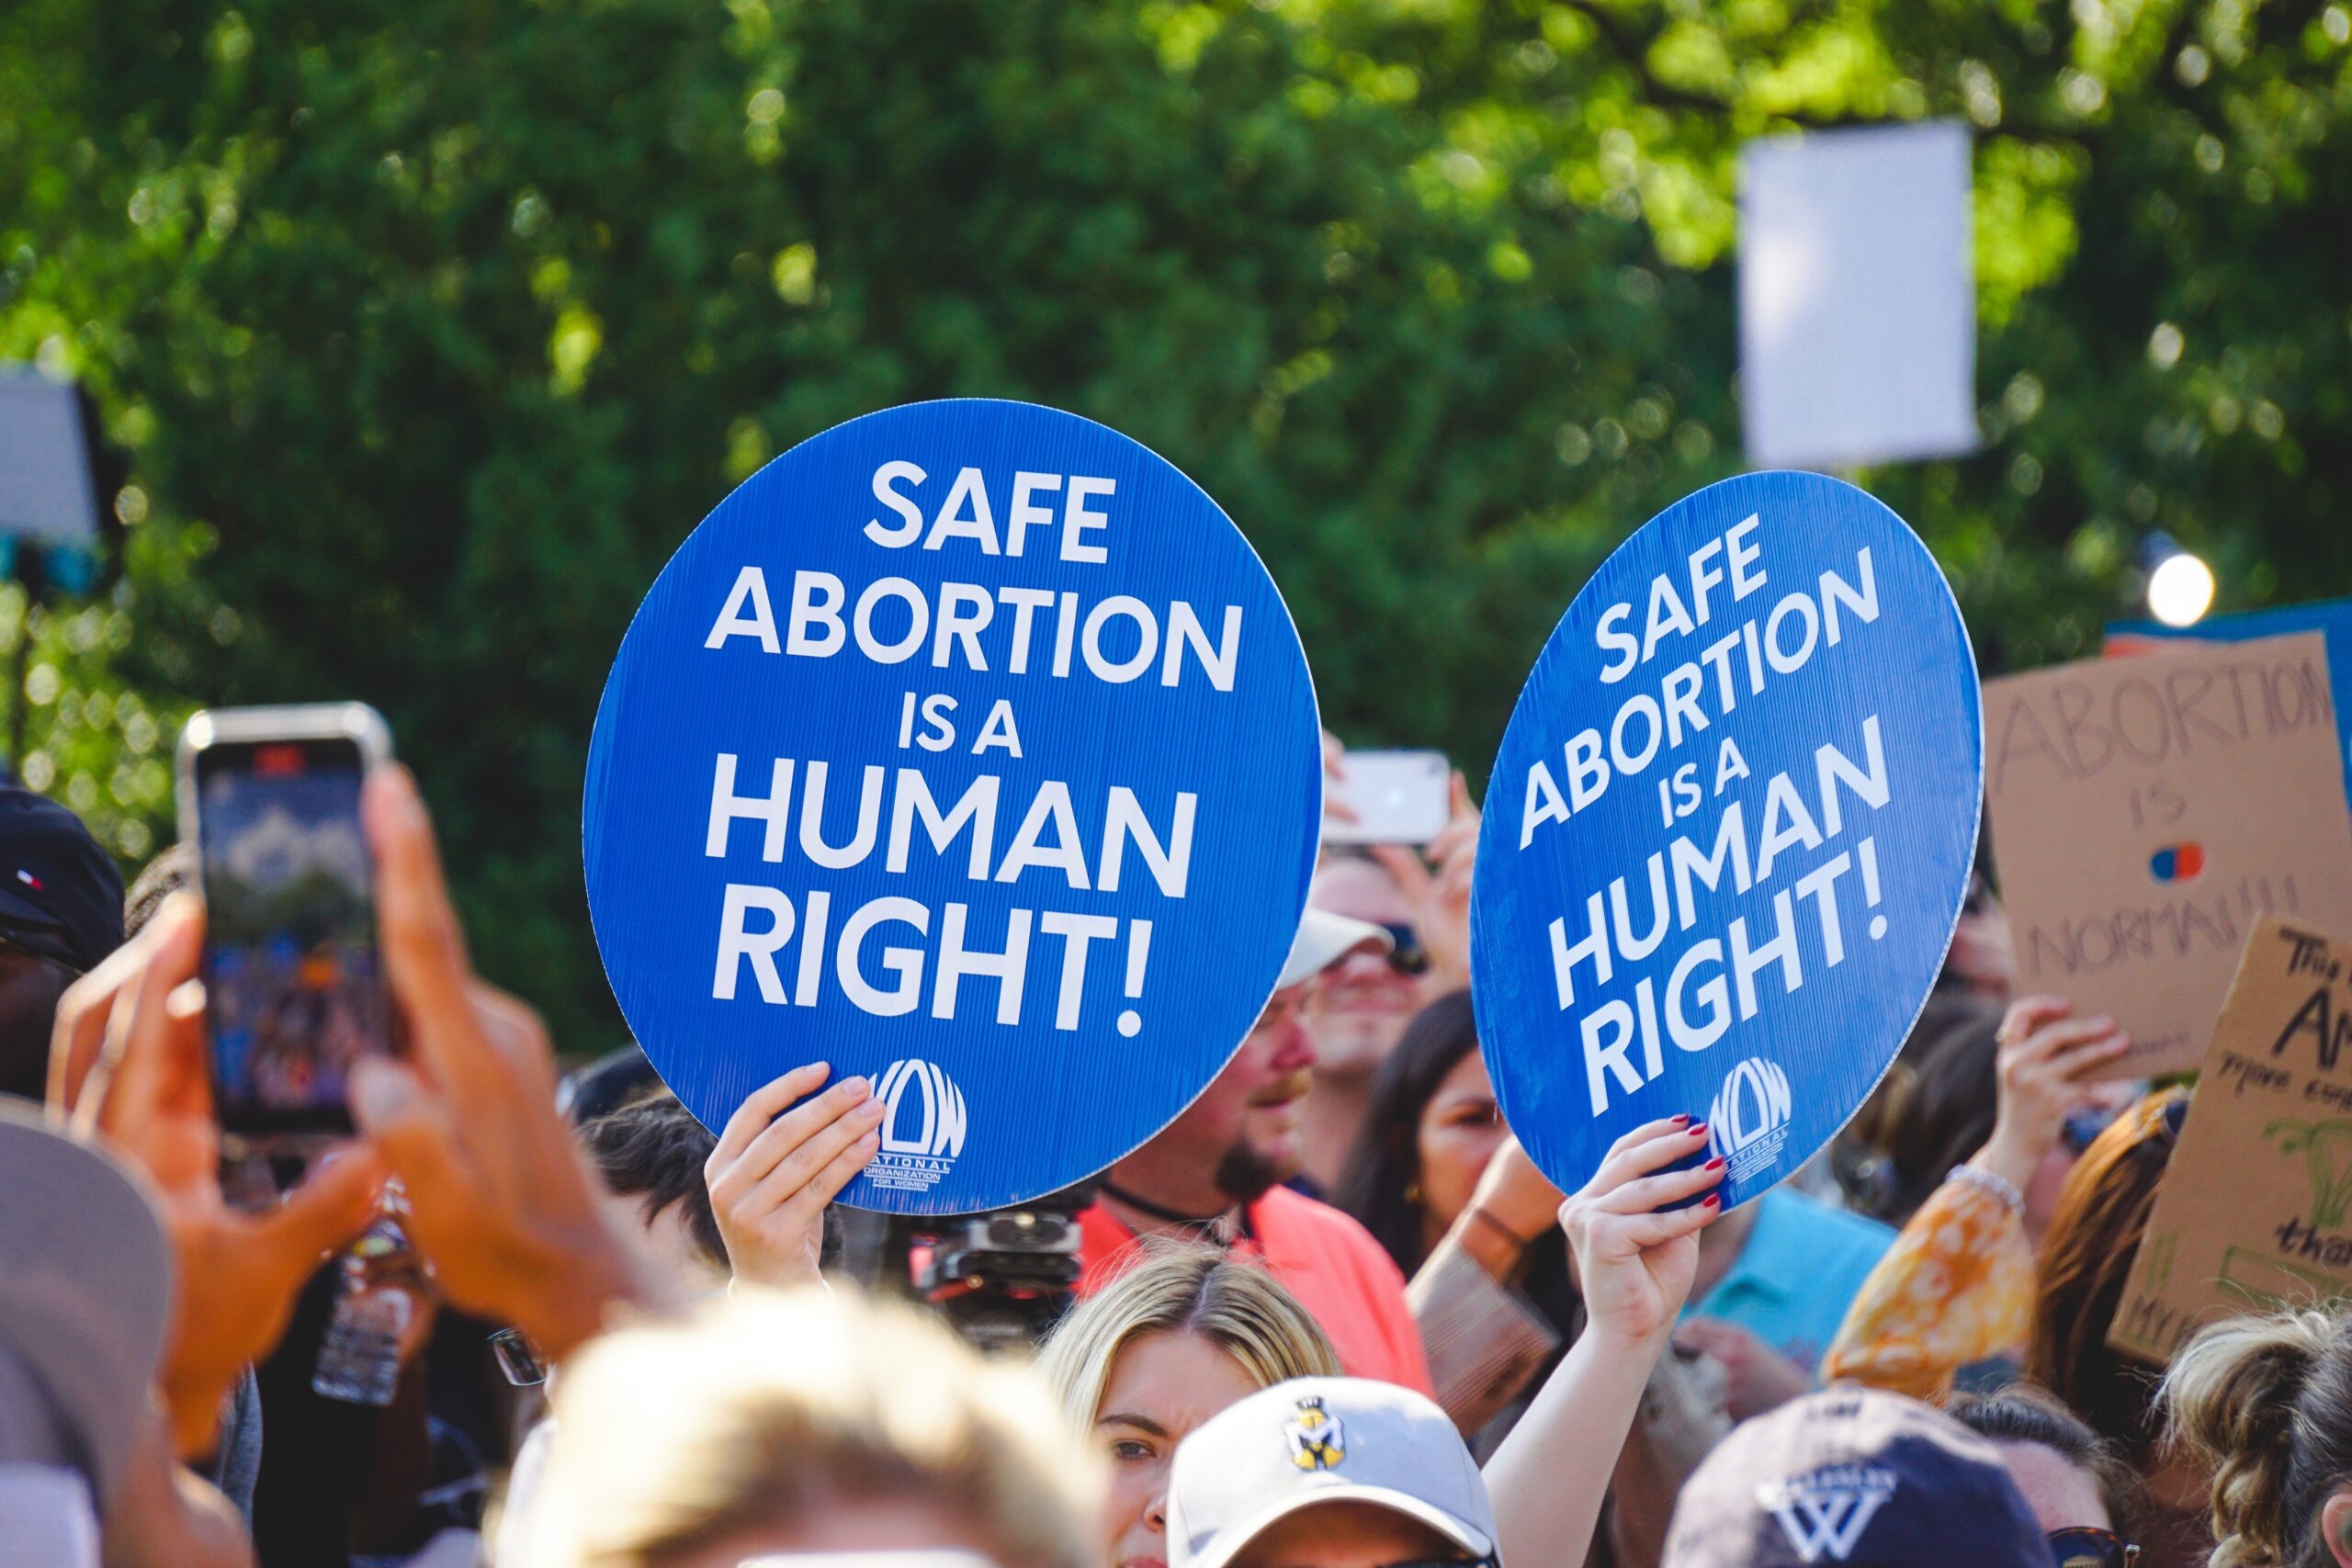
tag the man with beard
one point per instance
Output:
(1215, 1175)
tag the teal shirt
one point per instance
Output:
(1800, 1271)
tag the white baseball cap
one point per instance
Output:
(1317, 1440)
(1324, 938)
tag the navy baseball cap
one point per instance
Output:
(59, 894)
(1854, 1477)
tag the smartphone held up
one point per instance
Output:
(1389, 797)
(294, 978)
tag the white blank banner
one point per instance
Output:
(1857, 298)
(45, 491)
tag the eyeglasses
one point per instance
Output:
(2088, 1547)
(1407, 956)
(518, 1358)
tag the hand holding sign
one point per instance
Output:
(967, 748)
(1732, 825)
(2045, 1058)
(1636, 1257)
(787, 1153)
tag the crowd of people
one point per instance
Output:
(1332, 1316)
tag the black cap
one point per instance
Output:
(59, 894)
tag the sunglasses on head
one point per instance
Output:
(1407, 956)
(2088, 1547)
(2081, 1128)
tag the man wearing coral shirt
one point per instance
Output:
(1215, 1174)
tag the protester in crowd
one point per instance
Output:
(1983, 958)
(1964, 1297)
(1215, 1174)
(799, 1422)
(1957, 1289)
(1494, 1302)
(1144, 1361)
(2265, 1404)
(2080, 1489)
(1637, 1257)
(61, 914)
(1935, 1108)
(651, 1154)
(1329, 1472)
(1440, 1183)
(1420, 897)
(1775, 1277)
(1860, 1478)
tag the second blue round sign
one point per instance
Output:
(1729, 831)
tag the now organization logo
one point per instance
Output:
(1823, 1513)
(922, 1126)
(1749, 1118)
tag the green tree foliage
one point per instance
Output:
(430, 329)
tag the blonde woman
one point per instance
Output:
(1160, 1349)
(1185, 1334)
(797, 1422)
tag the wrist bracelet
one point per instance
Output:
(1500, 1228)
(1999, 1185)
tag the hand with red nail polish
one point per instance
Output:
(1635, 1256)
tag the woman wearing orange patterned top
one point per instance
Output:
(1958, 1286)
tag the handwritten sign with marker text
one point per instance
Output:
(2146, 812)
(2255, 1208)
(967, 746)
(2332, 618)
(1729, 831)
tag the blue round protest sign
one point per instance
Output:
(1729, 831)
(968, 747)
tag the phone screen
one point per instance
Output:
(1389, 797)
(294, 982)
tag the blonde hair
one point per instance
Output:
(1184, 1289)
(761, 1411)
(2266, 1401)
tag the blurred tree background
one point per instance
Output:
(429, 329)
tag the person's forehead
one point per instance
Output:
(1467, 1079)
(1361, 889)
(1344, 1535)
(1288, 1000)
(1174, 1378)
(2061, 1494)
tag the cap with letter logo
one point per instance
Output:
(1855, 1478)
(1316, 1440)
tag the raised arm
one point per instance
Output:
(1634, 1261)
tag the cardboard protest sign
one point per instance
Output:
(967, 746)
(2255, 1207)
(2146, 812)
(2330, 617)
(1729, 831)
